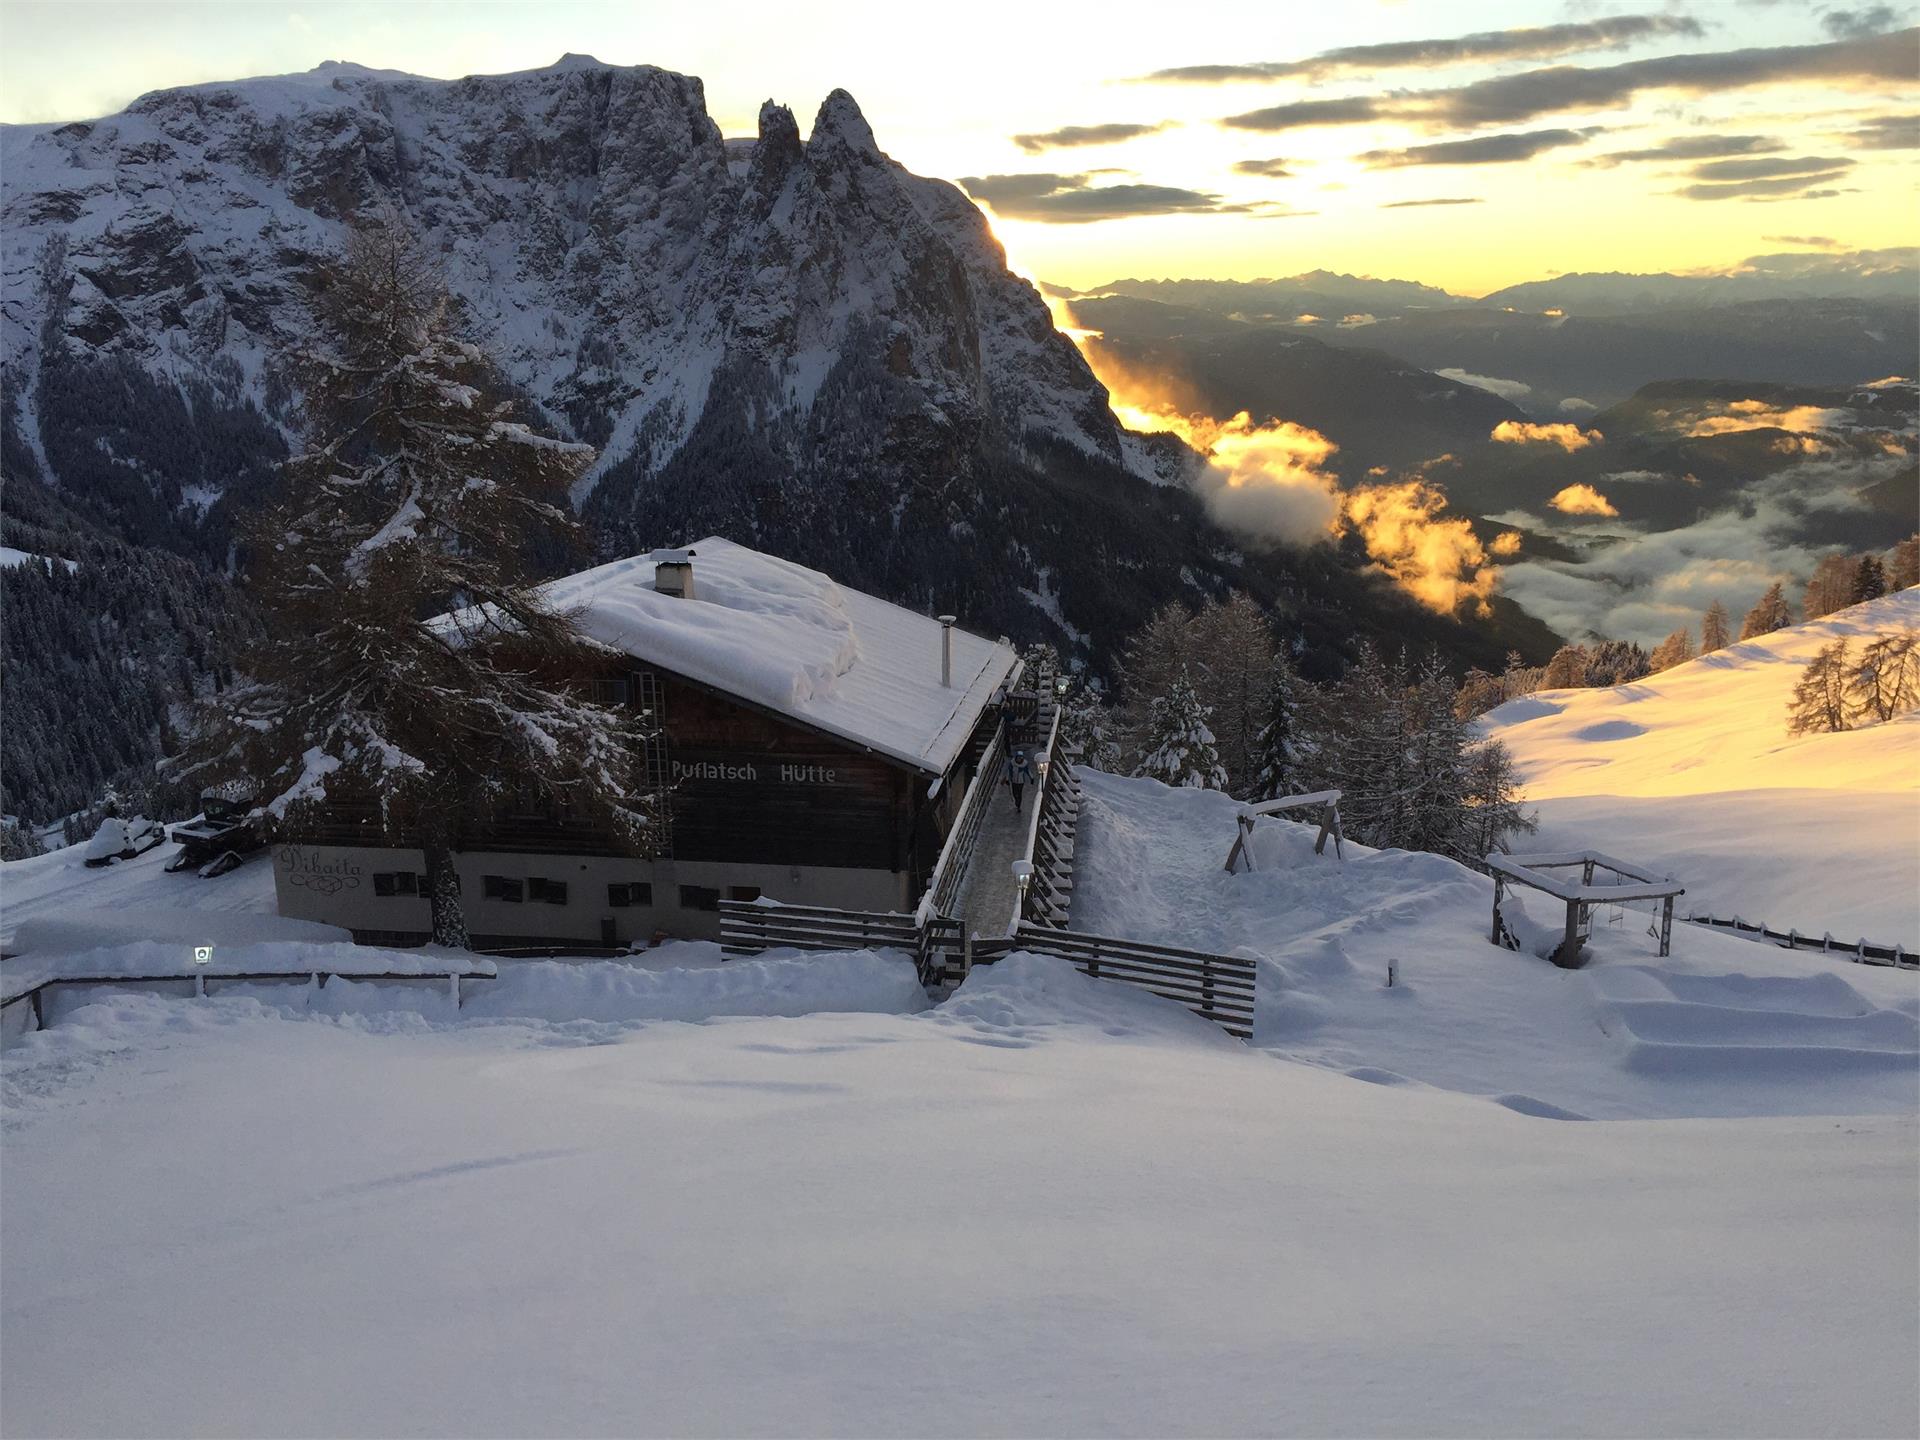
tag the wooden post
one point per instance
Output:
(1499, 889)
(1567, 957)
(199, 985)
(453, 989)
(1206, 987)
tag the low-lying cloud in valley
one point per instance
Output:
(1559, 434)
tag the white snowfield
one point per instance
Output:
(596, 1200)
(1692, 772)
(790, 639)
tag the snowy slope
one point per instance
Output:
(1723, 1027)
(59, 886)
(1692, 770)
(1052, 1207)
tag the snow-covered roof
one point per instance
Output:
(790, 640)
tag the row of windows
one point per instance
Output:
(537, 889)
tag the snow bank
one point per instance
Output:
(887, 1225)
(1726, 1028)
(609, 991)
(59, 885)
(177, 930)
(1692, 771)
(1026, 997)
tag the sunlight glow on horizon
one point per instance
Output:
(946, 99)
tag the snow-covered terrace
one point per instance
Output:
(792, 641)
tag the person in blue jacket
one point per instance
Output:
(1019, 773)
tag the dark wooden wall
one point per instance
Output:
(808, 799)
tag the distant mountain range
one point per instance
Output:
(1586, 341)
(791, 341)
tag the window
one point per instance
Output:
(699, 897)
(499, 887)
(743, 892)
(622, 894)
(611, 692)
(552, 892)
(398, 882)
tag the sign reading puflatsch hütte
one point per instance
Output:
(728, 770)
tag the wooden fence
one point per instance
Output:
(1863, 951)
(950, 870)
(1047, 890)
(1219, 988)
(748, 927)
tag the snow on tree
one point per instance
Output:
(1233, 653)
(1819, 701)
(419, 496)
(19, 841)
(1676, 649)
(1479, 693)
(1617, 662)
(1869, 579)
(1830, 587)
(1179, 746)
(1886, 682)
(1393, 741)
(1769, 613)
(1281, 748)
(1086, 725)
(1716, 631)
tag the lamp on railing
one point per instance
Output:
(1022, 878)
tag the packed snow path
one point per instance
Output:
(989, 893)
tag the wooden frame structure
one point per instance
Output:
(1328, 803)
(1634, 883)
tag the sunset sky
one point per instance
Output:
(1465, 145)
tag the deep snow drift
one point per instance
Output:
(1723, 1027)
(1693, 772)
(1051, 1206)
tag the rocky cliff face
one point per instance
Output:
(790, 341)
(618, 254)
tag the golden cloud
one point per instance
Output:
(1525, 432)
(1582, 499)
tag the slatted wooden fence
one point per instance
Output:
(1219, 988)
(748, 927)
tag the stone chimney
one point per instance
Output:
(673, 573)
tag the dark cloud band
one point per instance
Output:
(1069, 136)
(1539, 43)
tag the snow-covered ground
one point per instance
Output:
(1723, 1027)
(792, 1196)
(60, 886)
(1050, 1206)
(1692, 771)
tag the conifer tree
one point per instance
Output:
(1869, 579)
(1830, 588)
(1157, 655)
(1280, 748)
(1233, 655)
(1493, 808)
(1676, 649)
(1715, 629)
(416, 498)
(1086, 725)
(1180, 747)
(1769, 613)
(1567, 670)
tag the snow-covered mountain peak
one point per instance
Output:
(587, 214)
